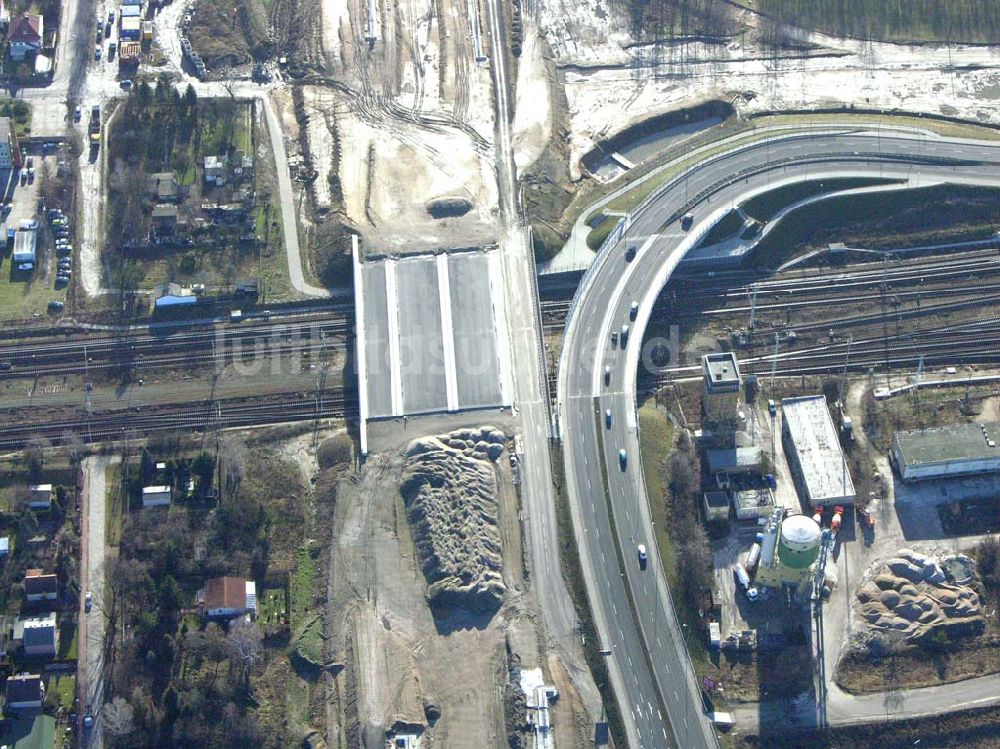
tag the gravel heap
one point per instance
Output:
(914, 596)
(450, 490)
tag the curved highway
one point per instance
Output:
(649, 666)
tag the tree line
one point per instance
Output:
(893, 20)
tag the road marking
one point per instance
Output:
(392, 313)
(447, 332)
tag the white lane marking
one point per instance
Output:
(447, 332)
(392, 303)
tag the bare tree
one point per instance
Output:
(232, 458)
(74, 446)
(245, 643)
(35, 454)
(118, 718)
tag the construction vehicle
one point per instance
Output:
(835, 522)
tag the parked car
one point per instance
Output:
(126, 83)
(77, 114)
(65, 250)
(26, 267)
(97, 53)
(87, 601)
(61, 281)
(56, 306)
(31, 174)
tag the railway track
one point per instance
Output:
(186, 349)
(202, 416)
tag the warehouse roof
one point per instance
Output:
(820, 457)
(949, 443)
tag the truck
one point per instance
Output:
(743, 578)
(94, 127)
(753, 557)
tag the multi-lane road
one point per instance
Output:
(653, 680)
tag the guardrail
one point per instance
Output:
(543, 368)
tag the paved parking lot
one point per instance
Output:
(430, 335)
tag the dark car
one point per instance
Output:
(56, 306)
(686, 221)
(630, 253)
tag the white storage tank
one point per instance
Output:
(800, 541)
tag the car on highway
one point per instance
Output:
(622, 459)
(624, 336)
(607, 417)
(630, 253)
(687, 221)
(614, 338)
(641, 549)
(607, 375)
(633, 311)
(87, 602)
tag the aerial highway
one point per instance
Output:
(653, 680)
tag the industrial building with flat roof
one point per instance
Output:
(942, 452)
(721, 386)
(813, 451)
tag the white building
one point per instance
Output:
(25, 242)
(813, 450)
(156, 496)
(943, 452)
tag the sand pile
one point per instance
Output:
(450, 492)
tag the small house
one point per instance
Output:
(716, 506)
(41, 496)
(156, 496)
(25, 692)
(38, 634)
(25, 35)
(163, 186)
(215, 169)
(228, 597)
(40, 587)
(164, 218)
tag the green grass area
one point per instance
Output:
(68, 637)
(899, 21)
(114, 514)
(272, 607)
(28, 731)
(884, 221)
(656, 442)
(725, 228)
(23, 296)
(20, 112)
(601, 231)
(302, 581)
(61, 690)
(765, 206)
